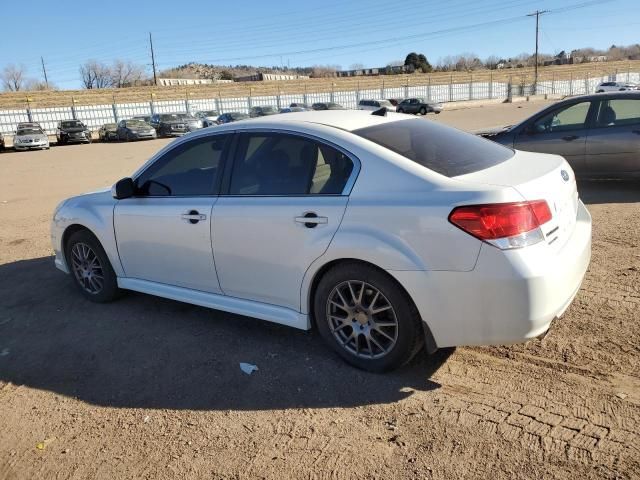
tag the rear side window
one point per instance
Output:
(280, 164)
(443, 149)
(618, 112)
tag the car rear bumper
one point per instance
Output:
(510, 296)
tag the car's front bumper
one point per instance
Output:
(31, 146)
(510, 296)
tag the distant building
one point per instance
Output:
(366, 72)
(168, 82)
(270, 77)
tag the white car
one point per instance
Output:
(616, 87)
(384, 232)
(372, 105)
(208, 117)
(30, 138)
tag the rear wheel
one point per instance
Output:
(400, 110)
(367, 318)
(90, 267)
(423, 111)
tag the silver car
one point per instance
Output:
(30, 138)
(598, 134)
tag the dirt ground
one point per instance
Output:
(150, 388)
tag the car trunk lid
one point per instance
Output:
(538, 177)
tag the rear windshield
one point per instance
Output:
(442, 149)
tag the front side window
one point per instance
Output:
(191, 169)
(618, 112)
(569, 118)
(278, 164)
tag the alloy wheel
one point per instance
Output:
(87, 268)
(361, 319)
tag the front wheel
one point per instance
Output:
(400, 110)
(367, 318)
(90, 267)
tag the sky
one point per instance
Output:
(301, 33)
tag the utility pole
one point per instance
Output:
(536, 14)
(153, 61)
(44, 71)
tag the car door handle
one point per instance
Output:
(311, 220)
(570, 138)
(193, 216)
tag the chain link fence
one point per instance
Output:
(94, 116)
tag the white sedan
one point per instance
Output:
(616, 87)
(386, 233)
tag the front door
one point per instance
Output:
(285, 200)
(164, 232)
(562, 132)
(613, 144)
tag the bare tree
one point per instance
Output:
(38, 85)
(95, 75)
(13, 77)
(126, 74)
(320, 71)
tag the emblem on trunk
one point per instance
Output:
(565, 175)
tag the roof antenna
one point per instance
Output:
(382, 112)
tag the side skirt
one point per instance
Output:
(249, 308)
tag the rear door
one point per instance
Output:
(562, 131)
(286, 196)
(613, 144)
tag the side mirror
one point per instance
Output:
(123, 189)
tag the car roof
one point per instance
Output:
(596, 96)
(348, 120)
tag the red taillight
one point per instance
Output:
(500, 220)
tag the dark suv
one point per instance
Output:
(262, 111)
(174, 124)
(418, 105)
(72, 131)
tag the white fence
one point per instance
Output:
(94, 116)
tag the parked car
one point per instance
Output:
(174, 124)
(108, 132)
(616, 87)
(598, 134)
(30, 138)
(292, 109)
(468, 244)
(208, 117)
(372, 105)
(231, 117)
(418, 105)
(22, 125)
(72, 131)
(131, 130)
(300, 105)
(262, 111)
(327, 106)
(143, 118)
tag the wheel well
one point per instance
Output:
(70, 230)
(429, 340)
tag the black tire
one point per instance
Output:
(129, 137)
(409, 336)
(109, 289)
(423, 111)
(399, 110)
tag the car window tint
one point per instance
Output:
(276, 164)
(618, 112)
(572, 117)
(189, 169)
(442, 149)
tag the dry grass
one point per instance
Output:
(144, 94)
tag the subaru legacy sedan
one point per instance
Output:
(385, 232)
(599, 135)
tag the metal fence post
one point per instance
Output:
(187, 106)
(304, 96)
(29, 114)
(490, 85)
(628, 72)
(471, 86)
(152, 106)
(510, 90)
(114, 107)
(571, 83)
(249, 100)
(278, 99)
(382, 90)
(451, 88)
(331, 95)
(429, 88)
(406, 89)
(73, 108)
(217, 102)
(553, 84)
